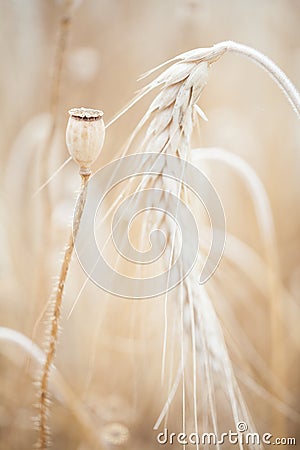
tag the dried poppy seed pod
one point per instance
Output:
(85, 136)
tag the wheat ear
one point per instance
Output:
(211, 55)
(170, 124)
(85, 137)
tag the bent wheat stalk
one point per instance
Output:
(169, 123)
(212, 55)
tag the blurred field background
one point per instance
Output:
(110, 349)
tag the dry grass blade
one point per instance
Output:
(266, 226)
(55, 92)
(60, 389)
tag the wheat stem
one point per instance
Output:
(270, 67)
(55, 317)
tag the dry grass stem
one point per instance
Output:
(266, 225)
(55, 92)
(55, 314)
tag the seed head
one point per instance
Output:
(85, 136)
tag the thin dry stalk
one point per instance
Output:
(84, 137)
(58, 67)
(55, 318)
(63, 35)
